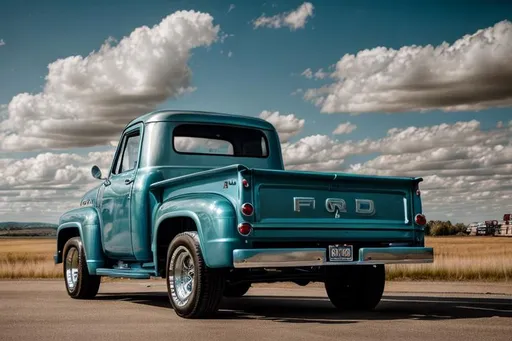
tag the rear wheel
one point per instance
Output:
(194, 290)
(236, 290)
(355, 287)
(79, 283)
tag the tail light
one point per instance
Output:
(420, 219)
(244, 229)
(247, 209)
(245, 183)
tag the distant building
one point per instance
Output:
(471, 229)
(506, 226)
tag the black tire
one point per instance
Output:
(84, 285)
(355, 287)
(236, 290)
(207, 286)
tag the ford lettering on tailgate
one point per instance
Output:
(336, 205)
(379, 205)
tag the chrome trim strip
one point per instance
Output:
(394, 255)
(260, 258)
(405, 212)
(280, 258)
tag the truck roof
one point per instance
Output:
(202, 117)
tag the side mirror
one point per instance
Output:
(96, 172)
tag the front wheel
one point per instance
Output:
(79, 283)
(194, 290)
(355, 287)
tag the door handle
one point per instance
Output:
(128, 181)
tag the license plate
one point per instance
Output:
(340, 253)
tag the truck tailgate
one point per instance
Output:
(291, 199)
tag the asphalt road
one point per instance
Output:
(139, 310)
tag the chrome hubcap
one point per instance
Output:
(72, 268)
(181, 277)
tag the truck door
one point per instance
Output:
(116, 199)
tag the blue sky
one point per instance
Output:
(253, 69)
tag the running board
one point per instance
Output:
(133, 273)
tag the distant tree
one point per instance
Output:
(460, 228)
(444, 228)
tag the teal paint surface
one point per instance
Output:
(120, 219)
(86, 221)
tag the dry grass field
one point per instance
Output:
(456, 258)
(461, 258)
(28, 258)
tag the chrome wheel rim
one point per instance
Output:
(72, 268)
(181, 277)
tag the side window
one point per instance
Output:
(130, 153)
(119, 157)
(128, 157)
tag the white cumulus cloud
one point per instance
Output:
(344, 128)
(28, 185)
(319, 74)
(87, 101)
(287, 126)
(294, 19)
(411, 140)
(308, 73)
(52, 170)
(473, 73)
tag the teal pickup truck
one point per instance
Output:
(202, 200)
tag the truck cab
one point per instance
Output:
(203, 200)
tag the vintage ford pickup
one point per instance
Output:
(203, 200)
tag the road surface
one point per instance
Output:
(140, 310)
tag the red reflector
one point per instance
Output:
(245, 183)
(244, 229)
(247, 209)
(420, 219)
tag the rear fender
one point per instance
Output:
(215, 220)
(83, 222)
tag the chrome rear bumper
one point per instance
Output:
(279, 258)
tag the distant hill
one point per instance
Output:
(27, 229)
(13, 225)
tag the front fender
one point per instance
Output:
(83, 222)
(215, 219)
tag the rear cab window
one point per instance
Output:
(212, 139)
